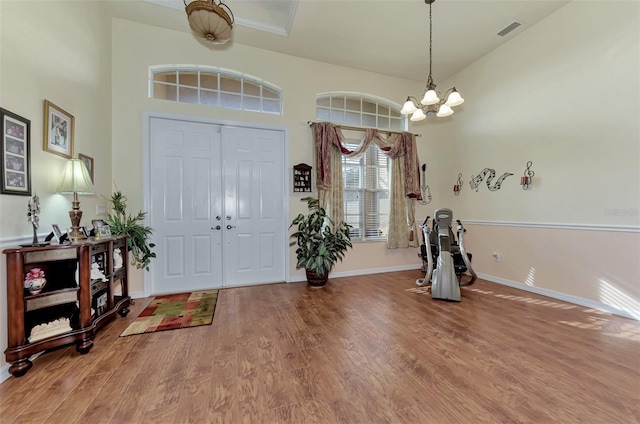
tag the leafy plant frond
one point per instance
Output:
(131, 225)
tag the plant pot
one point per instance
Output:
(315, 280)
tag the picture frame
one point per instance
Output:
(58, 130)
(104, 231)
(57, 234)
(84, 232)
(15, 155)
(88, 162)
(97, 223)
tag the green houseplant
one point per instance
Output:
(131, 225)
(321, 243)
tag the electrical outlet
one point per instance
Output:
(101, 210)
(496, 256)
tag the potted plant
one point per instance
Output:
(122, 223)
(320, 242)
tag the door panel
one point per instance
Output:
(254, 199)
(185, 198)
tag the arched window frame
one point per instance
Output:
(214, 86)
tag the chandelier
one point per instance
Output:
(431, 104)
(209, 21)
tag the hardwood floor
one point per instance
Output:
(370, 349)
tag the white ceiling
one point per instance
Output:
(388, 37)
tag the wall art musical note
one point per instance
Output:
(490, 175)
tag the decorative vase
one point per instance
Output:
(36, 285)
(315, 280)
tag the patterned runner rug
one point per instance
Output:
(168, 312)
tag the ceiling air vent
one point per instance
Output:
(506, 30)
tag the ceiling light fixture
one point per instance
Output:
(209, 21)
(431, 104)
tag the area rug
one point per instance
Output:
(173, 311)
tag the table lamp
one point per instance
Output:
(76, 180)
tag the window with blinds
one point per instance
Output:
(214, 87)
(366, 179)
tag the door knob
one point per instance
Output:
(217, 227)
(230, 227)
(218, 218)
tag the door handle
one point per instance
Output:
(217, 227)
(218, 218)
(230, 227)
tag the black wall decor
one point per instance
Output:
(15, 154)
(490, 175)
(527, 178)
(302, 178)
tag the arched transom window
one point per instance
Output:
(213, 86)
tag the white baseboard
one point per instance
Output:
(563, 296)
(4, 373)
(299, 278)
(137, 295)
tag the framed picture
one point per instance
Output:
(16, 153)
(58, 130)
(97, 223)
(56, 232)
(104, 231)
(84, 232)
(88, 162)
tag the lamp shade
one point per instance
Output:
(444, 111)
(430, 98)
(75, 178)
(409, 107)
(418, 115)
(454, 98)
(209, 21)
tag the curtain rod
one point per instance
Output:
(351, 127)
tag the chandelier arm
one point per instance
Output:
(415, 101)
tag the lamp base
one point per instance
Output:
(75, 215)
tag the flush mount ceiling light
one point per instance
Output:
(431, 104)
(210, 21)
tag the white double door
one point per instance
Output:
(217, 205)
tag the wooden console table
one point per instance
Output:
(72, 306)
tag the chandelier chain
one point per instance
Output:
(430, 80)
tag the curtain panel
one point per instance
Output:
(405, 176)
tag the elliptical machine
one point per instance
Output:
(452, 261)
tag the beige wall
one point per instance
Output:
(136, 47)
(564, 94)
(59, 51)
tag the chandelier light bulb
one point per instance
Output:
(444, 111)
(454, 99)
(409, 107)
(430, 98)
(418, 115)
